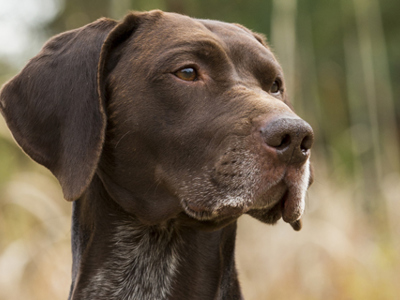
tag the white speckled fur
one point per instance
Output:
(142, 264)
(239, 194)
(303, 186)
(299, 188)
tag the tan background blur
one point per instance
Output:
(342, 64)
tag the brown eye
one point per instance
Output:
(187, 74)
(275, 87)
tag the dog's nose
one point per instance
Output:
(292, 138)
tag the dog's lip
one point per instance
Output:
(203, 213)
(205, 219)
(206, 224)
(286, 195)
(290, 211)
(292, 206)
(197, 211)
(269, 195)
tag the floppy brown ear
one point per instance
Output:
(54, 110)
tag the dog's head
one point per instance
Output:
(180, 118)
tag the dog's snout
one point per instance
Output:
(291, 138)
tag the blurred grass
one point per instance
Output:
(339, 254)
(342, 61)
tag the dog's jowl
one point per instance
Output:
(163, 130)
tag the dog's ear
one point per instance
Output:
(54, 107)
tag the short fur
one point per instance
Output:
(160, 168)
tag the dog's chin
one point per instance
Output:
(206, 218)
(205, 213)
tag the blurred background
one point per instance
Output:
(342, 64)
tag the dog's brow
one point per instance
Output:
(199, 43)
(199, 47)
(207, 50)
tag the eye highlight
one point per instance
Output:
(187, 74)
(276, 87)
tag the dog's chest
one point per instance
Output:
(141, 265)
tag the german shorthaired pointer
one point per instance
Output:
(163, 130)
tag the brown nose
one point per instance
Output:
(291, 138)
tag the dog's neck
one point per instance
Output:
(141, 263)
(117, 257)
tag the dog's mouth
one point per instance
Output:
(285, 199)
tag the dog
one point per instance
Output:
(163, 130)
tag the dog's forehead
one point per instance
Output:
(178, 27)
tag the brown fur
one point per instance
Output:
(158, 166)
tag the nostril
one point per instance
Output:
(306, 143)
(286, 140)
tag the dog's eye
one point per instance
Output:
(187, 74)
(275, 87)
